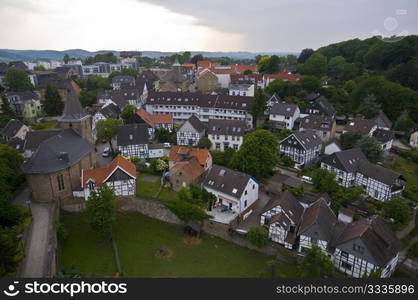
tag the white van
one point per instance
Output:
(307, 179)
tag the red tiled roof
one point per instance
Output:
(189, 65)
(99, 175)
(175, 153)
(153, 120)
(207, 64)
(190, 168)
(284, 76)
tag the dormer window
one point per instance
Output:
(91, 185)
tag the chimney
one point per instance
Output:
(64, 156)
(345, 215)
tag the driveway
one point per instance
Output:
(101, 161)
(254, 218)
(36, 245)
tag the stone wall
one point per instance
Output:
(151, 208)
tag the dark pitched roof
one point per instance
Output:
(11, 128)
(286, 180)
(287, 202)
(110, 111)
(57, 153)
(310, 198)
(283, 109)
(35, 138)
(363, 126)
(308, 138)
(72, 109)
(196, 123)
(312, 96)
(381, 242)
(320, 214)
(123, 79)
(201, 100)
(345, 160)
(23, 96)
(326, 107)
(60, 84)
(16, 143)
(121, 97)
(227, 181)
(377, 172)
(174, 75)
(383, 136)
(317, 122)
(133, 134)
(226, 127)
(382, 120)
(275, 99)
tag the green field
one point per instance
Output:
(139, 238)
(150, 189)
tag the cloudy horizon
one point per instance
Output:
(179, 25)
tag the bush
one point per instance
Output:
(186, 211)
(413, 251)
(286, 160)
(397, 209)
(257, 235)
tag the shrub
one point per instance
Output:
(257, 236)
(186, 211)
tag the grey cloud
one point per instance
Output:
(292, 25)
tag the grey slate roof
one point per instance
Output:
(363, 126)
(288, 202)
(35, 138)
(283, 109)
(48, 157)
(382, 120)
(11, 128)
(72, 109)
(23, 96)
(317, 122)
(326, 106)
(226, 127)
(345, 160)
(380, 241)
(377, 172)
(383, 136)
(133, 134)
(226, 181)
(110, 111)
(308, 138)
(123, 79)
(196, 123)
(319, 214)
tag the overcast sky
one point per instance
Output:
(215, 25)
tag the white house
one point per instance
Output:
(190, 133)
(225, 134)
(385, 138)
(235, 192)
(284, 114)
(241, 89)
(133, 140)
(282, 216)
(413, 139)
(109, 110)
(120, 176)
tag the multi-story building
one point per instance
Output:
(122, 81)
(324, 126)
(183, 105)
(318, 105)
(190, 133)
(225, 134)
(352, 168)
(107, 111)
(241, 88)
(302, 147)
(104, 69)
(207, 82)
(133, 140)
(26, 105)
(284, 115)
(14, 129)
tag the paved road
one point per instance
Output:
(101, 161)
(36, 251)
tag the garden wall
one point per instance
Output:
(151, 208)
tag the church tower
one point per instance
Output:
(74, 117)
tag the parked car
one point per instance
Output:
(307, 179)
(106, 152)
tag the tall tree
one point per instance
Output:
(397, 209)
(257, 155)
(316, 65)
(304, 55)
(9, 250)
(324, 181)
(196, 58)
(101, 210)
(53, 105)
(17, 81)
(259, 105)
(107, 130)
(371, 148)
(369, 108)
(6, 112)
(128, 111)
(315, 264)
(66, 58)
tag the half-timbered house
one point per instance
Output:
(133, 140)
(190, 132)
(120, 176)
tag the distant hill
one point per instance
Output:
(7, 55)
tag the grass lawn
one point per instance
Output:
(150, 189)
(45, 125)
(138, 239)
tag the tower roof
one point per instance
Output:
(73, 110)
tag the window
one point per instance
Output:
(245, 193)
(60, 180)
(245, 203)
(253, 186)
(346, 266)
(344, 254)
(91, 185)
(376, 194)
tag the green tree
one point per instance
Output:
(257, 235)
(196, 58)
(128, 111)
(316, 65)
(39, 68)
(371, 148)
(9, 251)
(6, 112)
(349, 140)
(336, 67)
(10, 167)
(369, 108)
(310, 83)
(315, 264)
(101, 210)
(259, 105)
(88, 98)
(106, 130)
(222, 158)
(204, 143)
(257, 155)
(248, 72)
(187, 211)
(398, 209)
(53, 105)
(186, 56)
(163, 135)
(127, 71)
(286, 160)
(304, 55)
(324, 181)
(17, 81)
(66, 58)
(269, 65)
(404, 122)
